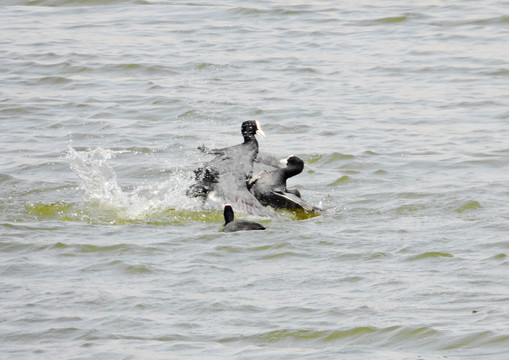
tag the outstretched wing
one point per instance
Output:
(291, 201)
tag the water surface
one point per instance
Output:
(399, 111)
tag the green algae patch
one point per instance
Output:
(60, 245)
(314, 159)
(431, 255)
(330, 158)
(52, 210)
(393, 20)
(471, 205)
(299, 214)
(339, 181)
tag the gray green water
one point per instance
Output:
(399, 110)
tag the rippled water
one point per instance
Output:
(399, 111)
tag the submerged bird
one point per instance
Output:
(231, 225)
(225, 177)
(270, 187)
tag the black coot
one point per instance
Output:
(231, 225)
(224, 178)
(270, 187)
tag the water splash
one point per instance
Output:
(101, 188)
(98, 180)
(160, 202)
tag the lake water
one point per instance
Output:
(399, 110)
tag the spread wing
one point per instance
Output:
(291, 201)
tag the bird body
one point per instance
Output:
(270, 188)
(225, 177)
(232, 225)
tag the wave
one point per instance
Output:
(355, 335)
(56, 3)
(402, 338)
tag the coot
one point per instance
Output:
(231, 225)
(270, 187)
(224, 178)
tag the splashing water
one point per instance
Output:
(98, 180)
(165, 201)
(100, 187)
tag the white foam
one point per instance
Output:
(100, 186)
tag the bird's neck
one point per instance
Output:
(289, 172)
(250, 138)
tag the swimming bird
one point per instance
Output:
(270, 189)
(225, 177)
(231, 225)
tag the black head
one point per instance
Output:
(228, 214)
(294, 164)
(250, 128)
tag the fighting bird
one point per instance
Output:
(225, 177)
(269, 187)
